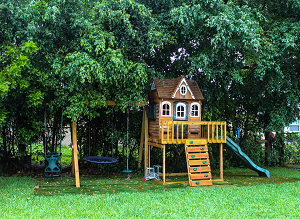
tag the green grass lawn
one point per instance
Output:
(242, 195)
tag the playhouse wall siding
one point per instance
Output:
(155, 125)
(154, 128)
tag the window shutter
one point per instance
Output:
(186, 111)
(153, 110)
(174, 111)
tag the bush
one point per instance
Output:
(292, 148)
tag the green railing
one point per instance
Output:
(178, 132)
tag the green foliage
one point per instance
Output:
(292, 149)
(67, 55)
(253, 149)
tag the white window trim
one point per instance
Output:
(197, 104)
(185, 90)
(170, 105)
(187, 86)
(184, 106)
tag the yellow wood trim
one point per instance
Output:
(181, 131)
(212, 130)
(155, 145)
(149, 156)
(208, 132)
(221, 161)
(172, 131)
(217, 127)
(158, 181)
(162, 125)
(168, 136)
(202, 183)
(187, 162)
(176, 174)
(196, 141)
(203, 176)
(168, 183)
(222, 132)
(225, 132)
(164, 164)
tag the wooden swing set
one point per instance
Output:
(171, 116)
(94, 159)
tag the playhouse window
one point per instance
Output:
(195, 110)
(183, 90)
(166, 108)
(180, 111)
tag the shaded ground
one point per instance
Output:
(111, 184)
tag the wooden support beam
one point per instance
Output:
(175, 174)
(146, 146)
(75, 166)
(149, 156)
(156, 144)
(142, 139)
(164, 164)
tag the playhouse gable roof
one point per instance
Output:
(168, 88)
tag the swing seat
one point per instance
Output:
(100, 160)
(54, 167)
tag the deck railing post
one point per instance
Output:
(208, 132)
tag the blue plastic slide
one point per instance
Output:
(245, 159)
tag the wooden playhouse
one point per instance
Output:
(174, 117)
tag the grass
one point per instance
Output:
(115, 197)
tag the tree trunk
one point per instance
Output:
(268, 146)
(281, 146)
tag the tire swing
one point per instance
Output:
(101, 159)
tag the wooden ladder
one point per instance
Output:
(198, 164)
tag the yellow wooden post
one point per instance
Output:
(149, 156)
(221, 161)
(182, 132)
(75, 166)
(177, 129)
(217, 127)
(164, 164)
(163, 131)
(208, 132)
(172, 132)
(225, 132)
(142, 139)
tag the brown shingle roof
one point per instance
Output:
(166, 87)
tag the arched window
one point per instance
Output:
(195, 110)
(166, 108)
(180, 111)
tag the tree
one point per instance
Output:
(243, 54)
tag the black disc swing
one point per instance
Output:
(101, 159)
